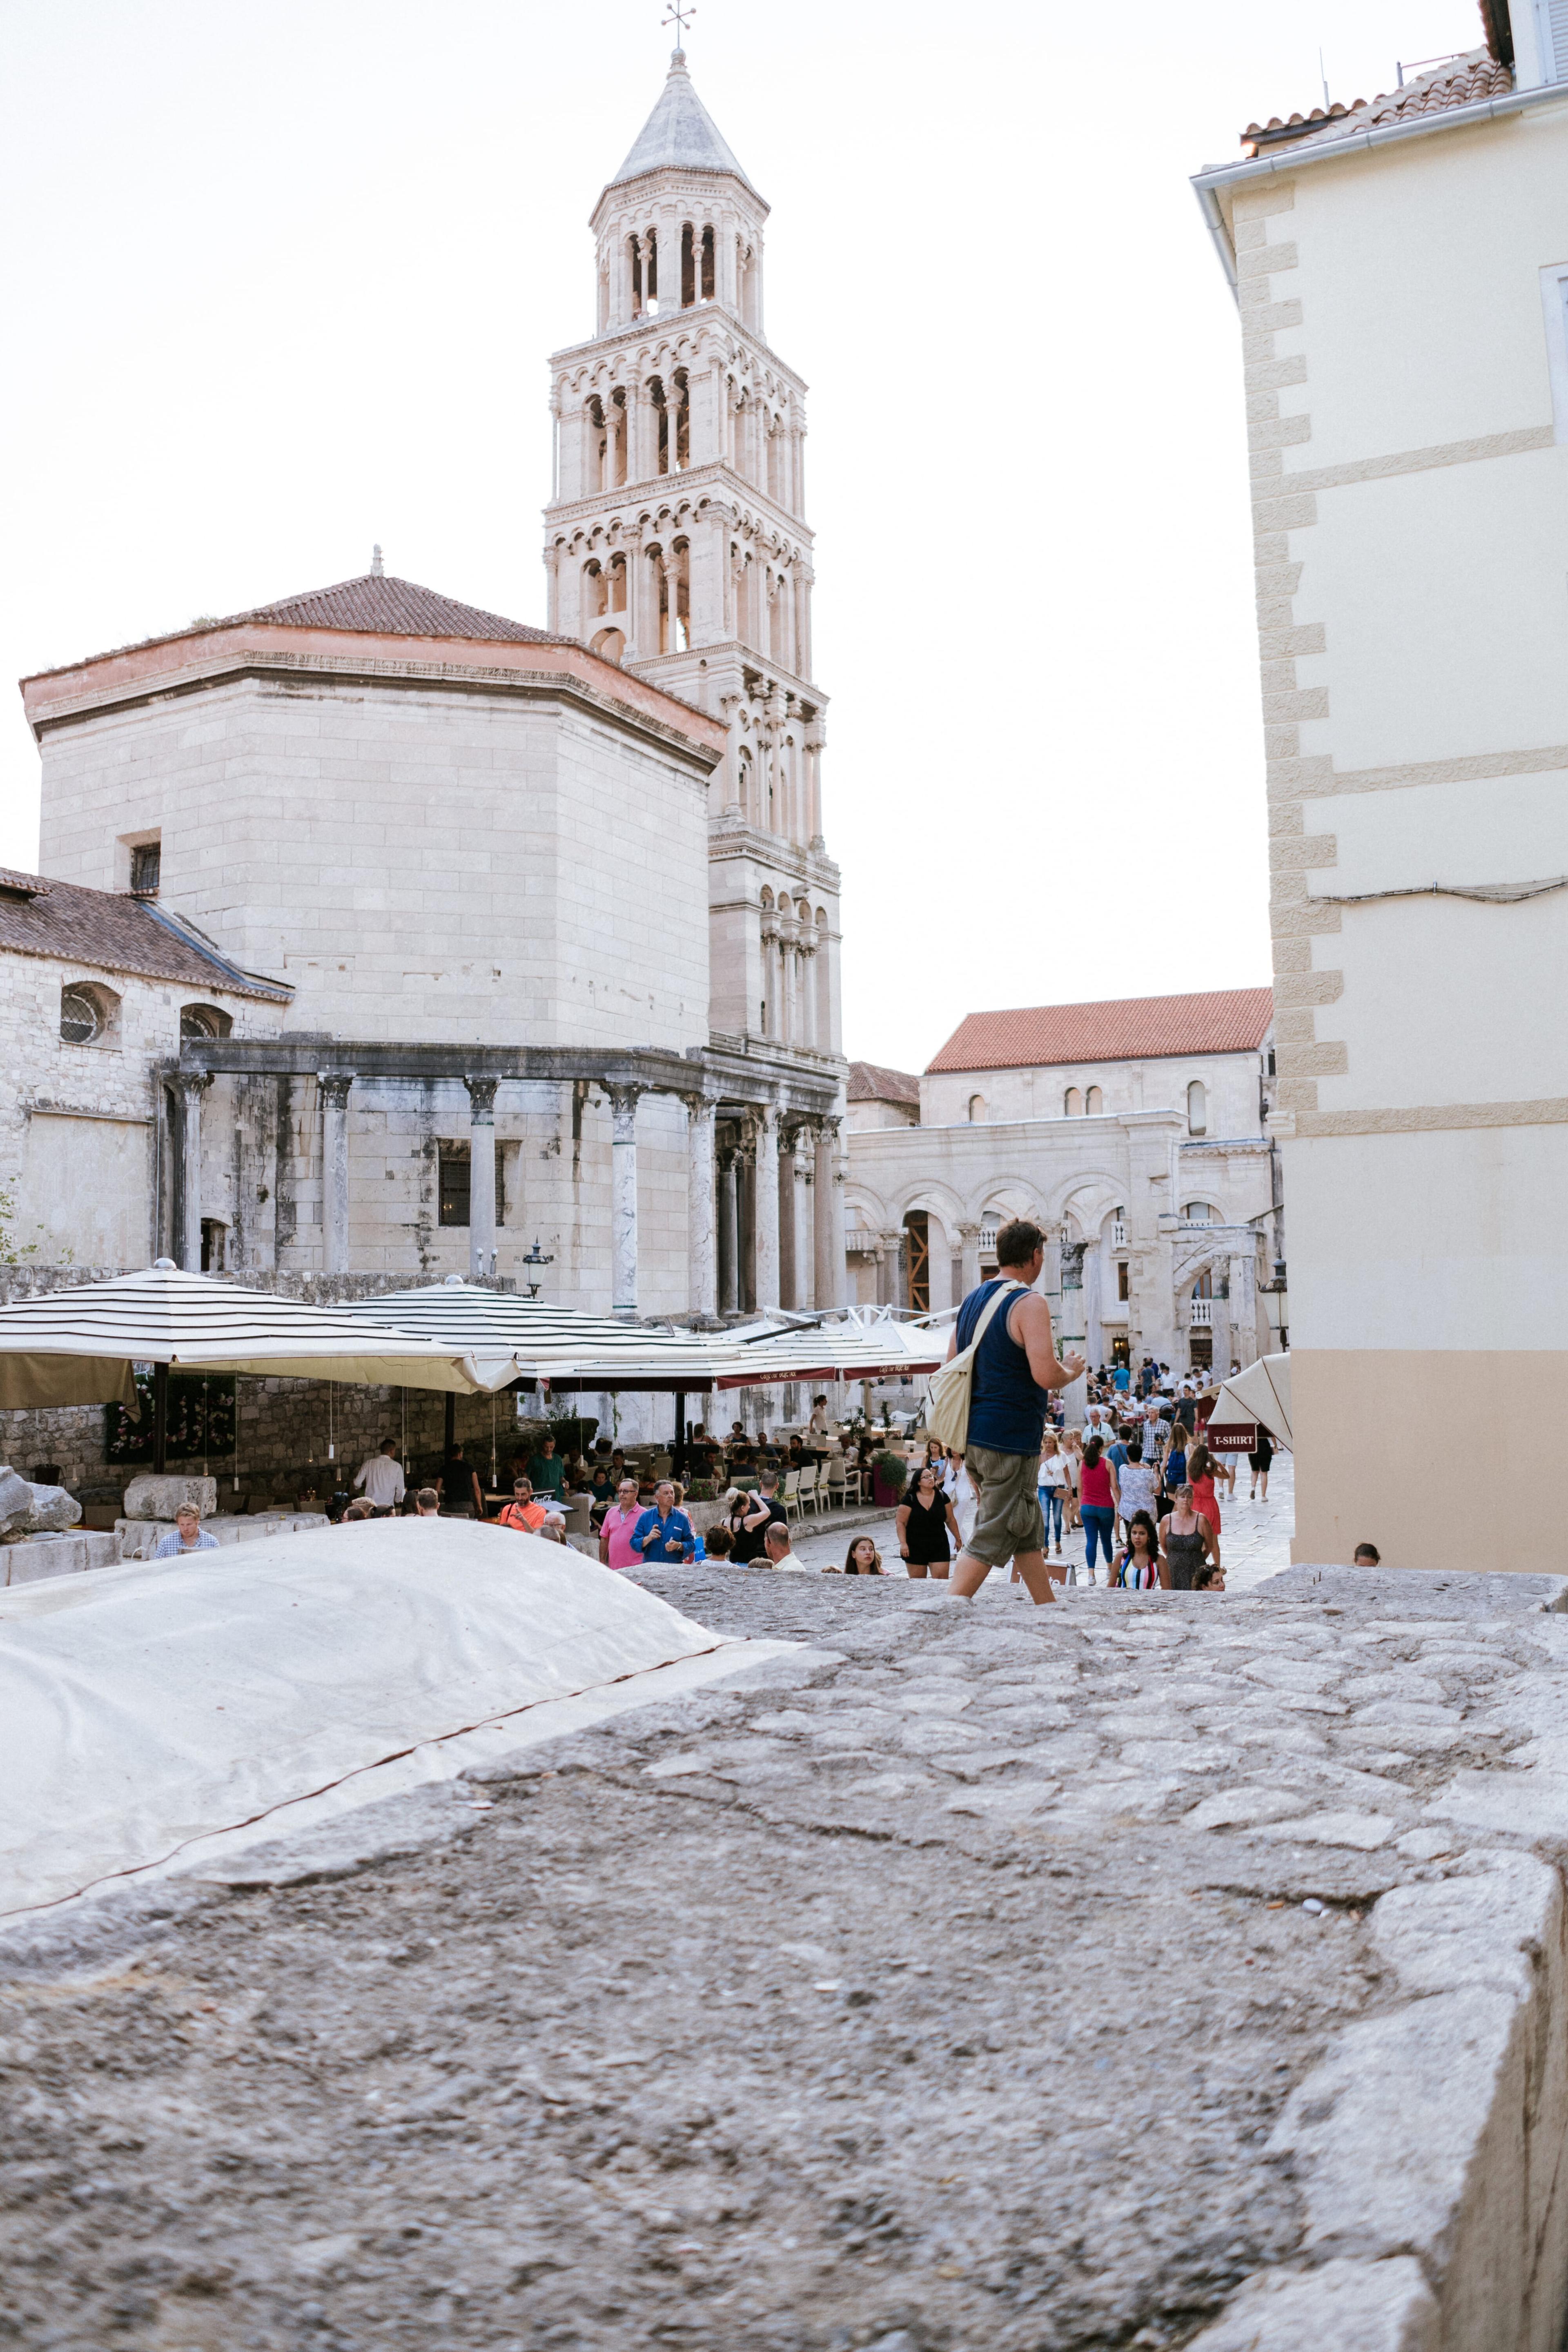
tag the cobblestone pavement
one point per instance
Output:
(1255, 1537)
(959, 1984)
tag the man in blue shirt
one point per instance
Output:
(189, 1535)
(664, 1533)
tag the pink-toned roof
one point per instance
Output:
(871, 1082)
(1129, 1028)
(374, 605)
(1456, 81)
(299, 629)
(391, 608)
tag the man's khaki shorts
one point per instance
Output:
(1009, 1519)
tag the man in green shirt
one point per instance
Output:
(547, 1470)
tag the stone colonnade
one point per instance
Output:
(750, 1241)
(781, 1213)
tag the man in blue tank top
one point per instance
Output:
(1015, 1369)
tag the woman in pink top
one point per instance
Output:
(1097, 1498)
(615, 1529)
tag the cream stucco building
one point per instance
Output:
(1402, 274)
(533, 942)
(1133, 1132)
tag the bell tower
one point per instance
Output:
(676, 544)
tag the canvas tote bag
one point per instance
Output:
(947, 1412)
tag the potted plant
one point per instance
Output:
(889, 1473)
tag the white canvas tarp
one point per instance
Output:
(146, 1708)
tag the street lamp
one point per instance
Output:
(1277, 1307)
(535, 1257)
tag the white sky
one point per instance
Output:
(282, 282)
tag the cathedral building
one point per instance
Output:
(399, 854)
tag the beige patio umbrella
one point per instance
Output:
(78, 1346)
(1259, 1396)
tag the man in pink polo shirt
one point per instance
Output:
(615, 1530)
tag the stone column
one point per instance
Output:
(789, 1027)
(765, 1148)
(825, 1291)
(193, 1087)
(814, 786)
(805, 985)
(789, 1294)
(334, 1085)
(969, 1250)
(701, 1255)
(672, 402)
(624, 1199)
(1243, 1311)
(729, 1235)
(481, 1176)
(1094, 1335)
(746, 1224)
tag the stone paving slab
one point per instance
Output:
(1146, 1971)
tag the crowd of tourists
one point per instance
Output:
(1136, 1481)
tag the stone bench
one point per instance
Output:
(35, 1557)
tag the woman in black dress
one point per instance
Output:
(925, 1521)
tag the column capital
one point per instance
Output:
(482, 1097)
(700, 1105)
(625, 1098)
(334, 1085)
(194, 1083)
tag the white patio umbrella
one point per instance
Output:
(566, 1349)
(836, 1351)
(560, 1345)
(1259, 1396)
(78, 1346)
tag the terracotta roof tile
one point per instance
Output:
(383, 606)
(374, 605)
(1133, 1028)
(117, 933)
(871, 1082)
(1456, 81)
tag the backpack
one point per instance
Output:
(947, 1409)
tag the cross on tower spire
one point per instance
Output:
(678, 12)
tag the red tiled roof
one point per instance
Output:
(1131, 1028)
(1458, 81)
(375, 604)
(380, 605)
(75, 924)
(870, 1082)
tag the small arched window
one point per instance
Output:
(203, 1021)
(977, 1110)
(81, 1017)
(1072, 1104)
(608, 643)
(1200, 1213)
(1094, 1103)
(1198, 1108)
(1204, 1286)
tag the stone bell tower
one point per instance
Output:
(676, 544)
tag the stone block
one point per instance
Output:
(34, 1558)
(160, 1498)
(1353, 2306)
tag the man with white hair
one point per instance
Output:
(776, 1543)
(189, 1535)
